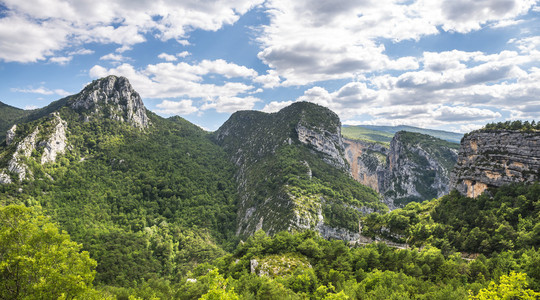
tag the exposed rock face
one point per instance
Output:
(24, 150)
(113, 97)
(4, 178)
(10, 135)
(57, 142)
(415, 167)
(417, 172)
(368, 162)
(325, 142)
(51, 143)
(494, 158)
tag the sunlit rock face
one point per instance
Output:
(112, 97)
(494, 158)
(414, 167)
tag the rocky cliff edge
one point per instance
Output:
(492, 158)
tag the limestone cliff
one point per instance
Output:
(57, 142)
(367, 161)
(111, 97)
(415, 167)
(45, 142)
(10, 134)
(288, 163)
(491, 158)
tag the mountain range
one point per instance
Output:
(152, 197)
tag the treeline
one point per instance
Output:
(514, 125)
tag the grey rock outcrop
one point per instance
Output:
(325, 142)
(5, 178)
(416, 172)
(494, 158)
(415, 167)
(114, 97)
(51, 142)
(57, 141)
(24, 150)
(10, 134)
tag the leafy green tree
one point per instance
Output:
(37, 261)
(511, 286)
(218, 288)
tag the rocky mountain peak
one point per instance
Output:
(113, 97)
(255, 134)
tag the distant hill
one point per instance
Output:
(365, 134)
(384, 134)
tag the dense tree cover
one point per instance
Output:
(38, 261)
(511, 286)
(321, 269)
(285, 266)
(156, 209)
(145, 204)
(513, 125)
(150, 204)
(506, 218)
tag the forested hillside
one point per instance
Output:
(145, 203)
(292, 173)
(101, 199)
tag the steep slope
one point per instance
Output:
(494, 157)
(415, 166)
(368, 161)
(148, 197)
(292, 174)
(8, 117)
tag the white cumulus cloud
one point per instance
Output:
(167, 57)
(33, 30)
(182, 107)
(42, 91)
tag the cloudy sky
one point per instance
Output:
(444, 64)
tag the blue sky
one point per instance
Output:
(449, 64)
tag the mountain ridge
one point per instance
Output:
(162, 208)
(377, 129)
(302, 140)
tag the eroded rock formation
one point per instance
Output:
(415, 167)
(114, 97)
(494, 158)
